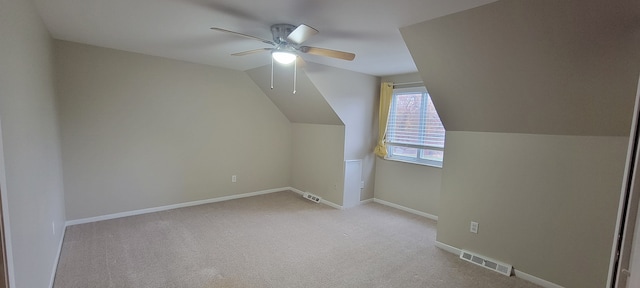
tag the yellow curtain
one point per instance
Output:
(386, 92)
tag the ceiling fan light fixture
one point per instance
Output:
(283, 57)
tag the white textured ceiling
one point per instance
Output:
(179, 29)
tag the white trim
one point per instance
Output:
(517, 273)
(406, 209)
(396, 159)
(296, 190)
(55, 264)
(173, 206)
(633, 137)
(322, 200)
(8, 246)
(331, 204)
(366, 201)
(5, 217)
(448, 248)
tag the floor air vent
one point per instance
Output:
(311, 197)
(486, 262)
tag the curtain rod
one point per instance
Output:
(407, 83)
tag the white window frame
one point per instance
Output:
(401, 158)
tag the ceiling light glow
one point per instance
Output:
(283, 57)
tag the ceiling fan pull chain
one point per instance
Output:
(271, 73)
(295, 74)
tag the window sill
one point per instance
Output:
(433, 164)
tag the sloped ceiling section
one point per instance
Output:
(306, 106)
(539, 67)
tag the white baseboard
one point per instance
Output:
(55, 264)
(173, 206)
(366, 201)
(331, 204)
(448, 248)
(167, 207)
(322, 200)
(517, 273)
(406, 209)
(296, 190)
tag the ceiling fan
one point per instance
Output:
(287, 43)
(287, 40)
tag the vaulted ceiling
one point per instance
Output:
(179, 29)
(566, 67)
(308, 105)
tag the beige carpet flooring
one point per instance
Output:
(274, 240)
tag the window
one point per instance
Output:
(414, 131)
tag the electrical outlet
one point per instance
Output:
(234, 178)
(474, 227)
(361, 184)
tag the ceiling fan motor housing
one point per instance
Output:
(280, 32)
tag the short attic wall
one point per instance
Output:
(317, 131)
(317, 160)
(410, 185)
(329, 105)
(354, 97)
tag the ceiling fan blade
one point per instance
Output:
(328, 53)
(243, 35)
(251, 51)
(301, 34)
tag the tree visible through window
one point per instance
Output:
(414, 130)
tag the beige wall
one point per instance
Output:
(354, 97)
(545, 204)
(329, 96)
(307, 105)
(141, 131)
(540, 67)
(318, 160)
(30, 161)
(409, 185)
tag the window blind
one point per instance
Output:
(414, 121)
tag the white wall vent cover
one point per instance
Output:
(486, 262)
(311, 197)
